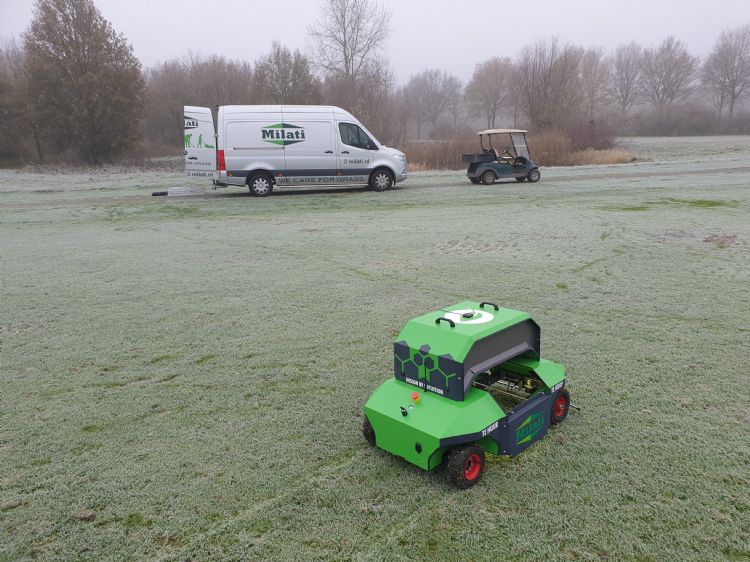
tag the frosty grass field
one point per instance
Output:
(193, 371)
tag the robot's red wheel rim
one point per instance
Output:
(472, 467)
(559, 408)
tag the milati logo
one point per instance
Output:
(190, 123)
(283, 134)
(529, 429)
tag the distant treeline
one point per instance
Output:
(71, 88)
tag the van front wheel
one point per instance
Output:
(380, 180)
(260, 185)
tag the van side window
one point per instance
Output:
(353, 135)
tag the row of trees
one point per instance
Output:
(73, 87)
(282, 76)
(555, 86)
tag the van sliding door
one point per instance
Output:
(309, 150)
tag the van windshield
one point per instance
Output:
(353, 135)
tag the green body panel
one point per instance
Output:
(444, 340)
(429, 420)
(550, 372)
(502, 170)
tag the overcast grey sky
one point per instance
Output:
(446, 34)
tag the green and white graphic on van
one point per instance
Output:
(283, 134)
(202, 144)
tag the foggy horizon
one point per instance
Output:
(454, 39)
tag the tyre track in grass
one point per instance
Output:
(322, 474)
(326, 473)
(374, 276)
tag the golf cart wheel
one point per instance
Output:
(560, 406)
(534, 175)
(260, 185)
(488, 178)
(380, 180)
(465, 465)
(368, 431)
(520, 179)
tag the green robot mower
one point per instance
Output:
(453, 369)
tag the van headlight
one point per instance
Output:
(402, 157)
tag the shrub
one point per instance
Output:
(550, 148)
(440, 154)
(598, 135)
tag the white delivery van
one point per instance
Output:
(262, 146)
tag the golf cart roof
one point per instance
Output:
(501, 131)
(446, 349)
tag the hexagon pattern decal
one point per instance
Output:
(417, 366)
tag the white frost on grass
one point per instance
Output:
(194, 371)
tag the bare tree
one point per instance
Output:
(400, 115)
(168, 89)
(283, 77)
(415, 101)
(87, 81)
(489, 88)
(349, 35)
(668, 73)
(548, 84)
(624, 76)
(714, 86)
(726, 72)
(372, 101)
(192, 80)
(594, 76)
(216, 80)
(454, 90)
(434, 94)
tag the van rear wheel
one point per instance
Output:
(380, 180)
(260, 185)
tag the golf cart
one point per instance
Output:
(468, 379)
(513, 161)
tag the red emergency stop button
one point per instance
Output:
(415, 396)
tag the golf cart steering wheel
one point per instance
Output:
(507, 151)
